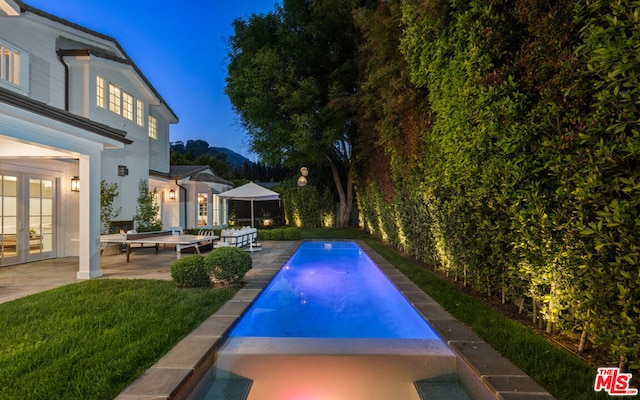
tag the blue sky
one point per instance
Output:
(181, 48)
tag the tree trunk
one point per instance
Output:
(583, 341)
(622, 363)
(346, 197)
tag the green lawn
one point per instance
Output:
(90, 340)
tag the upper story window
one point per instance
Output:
(14, 67)
(115, 99)
(100, 92)
(127, 106)
(121, 103)
(153, 128)
(139, 112)
(10, 65)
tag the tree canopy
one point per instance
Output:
(291, 78)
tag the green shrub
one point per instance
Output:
(191, 271)
(280, 234)
(291, 234)
(228, 264)
(270, 234)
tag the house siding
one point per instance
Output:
(67, 81)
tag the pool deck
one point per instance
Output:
(482, 371)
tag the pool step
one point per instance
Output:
(232, 388)
(437, 390)
(335, 368)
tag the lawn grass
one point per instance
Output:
(563, 374)
(90, 340)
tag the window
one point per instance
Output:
(203, 209)
(9, 64)
(100, 91)
(139, 112)
(216, 209)
(153, 129)
(115, 98)
(127, 106)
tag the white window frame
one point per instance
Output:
(100, 94)
(153, 127)
(215, 203)
(14, 68)
(139, 112)
(127, 106)
(115, 99)
(203, 209)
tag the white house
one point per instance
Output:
(75, 110)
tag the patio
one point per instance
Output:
(22, 280)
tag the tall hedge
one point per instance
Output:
(306, 207)
(503, 148)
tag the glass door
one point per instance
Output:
(27, 218)
(40, 218)
(8, 219)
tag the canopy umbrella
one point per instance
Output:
(250, 192)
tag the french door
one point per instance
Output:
(27, 218)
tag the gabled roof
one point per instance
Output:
(126, 60)
(198, 173)
(26, 103)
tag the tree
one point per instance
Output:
(291, 78)
(108, 194)
(146, 218)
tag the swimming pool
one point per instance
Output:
(332, 290)
(331, 325)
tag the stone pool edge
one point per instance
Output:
(482, 371)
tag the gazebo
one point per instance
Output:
(250, 192)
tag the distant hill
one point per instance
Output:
(234, 159)
(197, 148)
(226, 163)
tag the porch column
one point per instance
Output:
(89, 252)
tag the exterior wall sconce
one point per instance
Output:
(123, 170)
(75, 184)
(172, 194)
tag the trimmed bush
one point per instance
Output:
(291, 234)
(190, 271)
(270, 234)
(228, 264)
(280, 234)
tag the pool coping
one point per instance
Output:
(482, 371)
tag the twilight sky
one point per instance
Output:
(181, 48)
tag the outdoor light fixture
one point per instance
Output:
(302, 181)
(75, 184)
(172, 194)
(123, 170)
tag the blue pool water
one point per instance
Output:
(332, 290)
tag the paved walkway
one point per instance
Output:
(22, 280)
